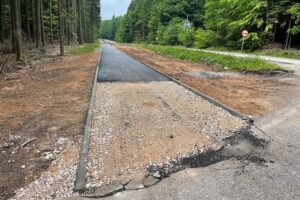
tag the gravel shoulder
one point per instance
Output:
(136, 124)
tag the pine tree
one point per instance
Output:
(61, 28)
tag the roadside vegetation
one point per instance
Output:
(275, 52)
(85, 48)
(213, 23)
(222, 61)
(279, 53)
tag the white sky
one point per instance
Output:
(113, 7)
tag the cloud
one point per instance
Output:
(113, 7)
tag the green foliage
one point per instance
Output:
(294, 10)
(252, 42)
(87, 48)
(187, 37)
(214, 22)
(225, 62)
(109, 28)
(149, 20)
(169, 34)
(206, 38)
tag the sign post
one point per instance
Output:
(187, 24)
(245, 34)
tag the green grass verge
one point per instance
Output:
(86, 48)
(222, 61)
(280, 53)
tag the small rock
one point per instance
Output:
(217, 147)
(134, 185)
(106, 191)
(6, 145)
(125, 180)
(156, 175)
(49, 156)
(23, 166)
(150, 181)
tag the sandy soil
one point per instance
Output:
(248, 93)
(47, 103)
(135, 124)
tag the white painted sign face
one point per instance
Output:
(245, 33)
(187, 24)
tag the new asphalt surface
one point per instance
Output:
(116, 66)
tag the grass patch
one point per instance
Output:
(86, 48)
(280, 53)
(275, 52)
(222, 61)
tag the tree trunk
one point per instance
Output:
(1, 3)
(290, 42)
(38, 24)
(288, 35)
(51, 21)
(13, 25)
(84, 22)
(275, 31)
(42, 24)
(68, 24)
(79, 4)
(33, 16)
(61, 28)
(28, 32)
(18, 36)
(74, 25)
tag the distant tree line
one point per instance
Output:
(109, 28)
(214, 23)
(47, 21)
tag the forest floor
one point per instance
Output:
(43, 108)
(248, 93)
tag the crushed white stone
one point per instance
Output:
(132, 124)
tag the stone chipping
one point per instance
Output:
(137, 124)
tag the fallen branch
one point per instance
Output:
(28, 141)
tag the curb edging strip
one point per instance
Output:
(79, 185)
(204, 96)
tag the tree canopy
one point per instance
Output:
(214, 22)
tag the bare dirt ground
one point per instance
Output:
(136, 124)
(248, 93)
(43, 108)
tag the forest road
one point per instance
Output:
(117, 66)
(278, 178)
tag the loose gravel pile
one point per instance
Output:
(58, 181)
(135, 124)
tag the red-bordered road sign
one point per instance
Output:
(245, 33)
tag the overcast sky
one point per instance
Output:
(113, 7)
